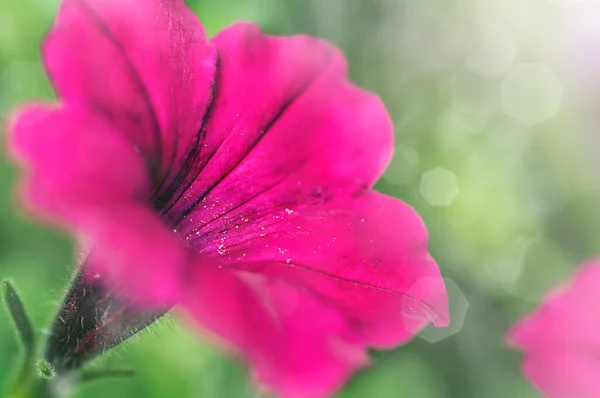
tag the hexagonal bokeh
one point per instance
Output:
(281, 299)
(459, 305)
(439, 187)
(531, 93)
(404, 165)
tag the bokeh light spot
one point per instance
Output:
(531, 93)
(404, 165)
(459, 305)
(281, 299)
(439, 187)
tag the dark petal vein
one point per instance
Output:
(186, 175)
(105, 30)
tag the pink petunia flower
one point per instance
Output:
(234, 177)
(560, 339)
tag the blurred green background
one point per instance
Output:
(489, 151)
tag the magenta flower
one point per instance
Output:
(234, 177)
(560, 339)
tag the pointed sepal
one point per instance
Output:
(21, 321)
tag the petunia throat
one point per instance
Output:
(91, 320)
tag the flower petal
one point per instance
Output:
(284, 114)
(359, 261)
(564, 373)
(376, 243)
(560, 339)
(297, 346)
(142, 260)
(145, 66)
(86, 175)
(77, 162)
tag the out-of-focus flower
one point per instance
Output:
(560, 340)
(232, 176)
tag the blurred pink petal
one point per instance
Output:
(560, 339)
(233, 176)
(81, 161)
(68, 184)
